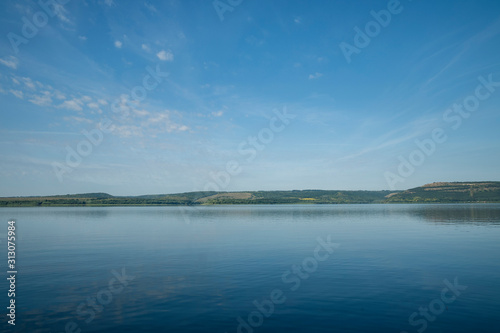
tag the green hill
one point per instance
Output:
(431, 193)
(456, 192)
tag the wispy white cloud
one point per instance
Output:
(126, 131)
(459, 50)
(150, 7)
(35, 92)
(118, 44)
(255, 41)
(144, 123)
(78, 120)
(42, 100)
(61, 13)
(17, 93)
(397, 136)
(141, 113)
(93, 105)
(162, 121)
(146, 48)
(59, 95)
(315, 76)
(10, 62)
(71, 105)
(84, 38)
(28, 83)
(165, 55)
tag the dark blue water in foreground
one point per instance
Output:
(200, 269)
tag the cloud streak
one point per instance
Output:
(10, 62)
(165, 55)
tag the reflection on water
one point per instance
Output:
(476, 214)
(198, 269)
(454, 213)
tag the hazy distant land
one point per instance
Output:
(443, 192)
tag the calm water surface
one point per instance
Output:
(211, 269)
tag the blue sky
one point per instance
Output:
(352, 121)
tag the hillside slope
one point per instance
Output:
(456, 192)
(463, 192)
(203, 198)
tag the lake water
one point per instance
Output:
(289, 268)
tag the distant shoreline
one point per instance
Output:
(442, 192)
(252, 204)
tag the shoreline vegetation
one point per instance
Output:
(441, 192)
